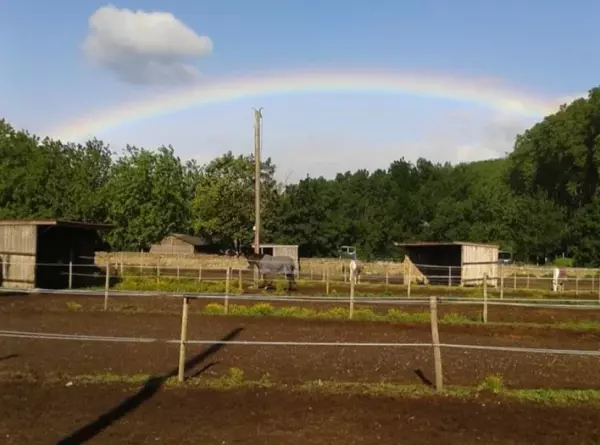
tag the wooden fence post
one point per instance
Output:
(515, 279)
(240, 280)
(327, 281)
(576, 282)
(200, 273)
(485, 295)
(501, 281)
(435, 339)
(106, 286)
(449, 276)
(158, 274)
(387, 276)
(351, 313)
(71, 273)
(408, 284)
(528, 274)
(227, 282)
(183, 339)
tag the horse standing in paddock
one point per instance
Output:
(558, 279)
(356, 268)
(273, 265)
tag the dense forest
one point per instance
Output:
(541, 201)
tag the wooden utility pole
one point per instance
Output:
(257, 124)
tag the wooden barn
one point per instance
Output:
(179, 244)
(290, 250)
(469, 261)
(36, 253)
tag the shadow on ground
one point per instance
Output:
(150, 388)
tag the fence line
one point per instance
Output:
(436, 345)
(416, 301)
(509, 269)
(108, 339)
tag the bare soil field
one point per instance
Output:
(296, 363)
(111, 414)
(172, 305)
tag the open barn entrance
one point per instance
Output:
(60, 245)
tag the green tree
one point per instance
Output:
(148, 197)
(223, 203)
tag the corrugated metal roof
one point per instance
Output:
(190, 239)
(445, 243)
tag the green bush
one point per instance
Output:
(563, 262)
(261, 309)
(214, 309)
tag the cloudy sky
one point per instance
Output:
(65, 60)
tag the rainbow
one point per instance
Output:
(484, 92)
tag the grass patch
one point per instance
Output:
(169, 284)
(391, 316)
(335, 313)
(234, 380)
(191, 284)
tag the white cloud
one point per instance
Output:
(144, 47)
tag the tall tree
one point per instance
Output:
(148, 196)
(223, 205)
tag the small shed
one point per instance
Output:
(290, 250)
(36, 253)
(458, 262)
(177, 243)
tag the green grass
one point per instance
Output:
(336, 313)
(366, 290)
(234, 379)
(367, 314)
(361, 314)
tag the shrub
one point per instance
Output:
(261, 309)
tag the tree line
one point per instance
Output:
(539, 202)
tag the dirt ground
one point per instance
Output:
(296, 363)
(110, 414)
(43, 412)
(172, 305)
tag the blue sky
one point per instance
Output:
(543, 47)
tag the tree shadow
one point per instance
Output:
(150, 388)
(8, 357)
(423, 378)
(202, 370)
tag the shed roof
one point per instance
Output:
(276, 245)
(445, 243)
(193, 240)
(56, 222)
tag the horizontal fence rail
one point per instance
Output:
(579, 304)
(79, 337)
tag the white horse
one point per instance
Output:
(356, 267)
(558, 283)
